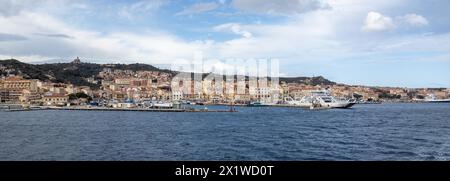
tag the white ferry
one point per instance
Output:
(432, 99)
(320, 99)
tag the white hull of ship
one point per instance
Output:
(325, 105)
(439, 101)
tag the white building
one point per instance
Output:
(55, 99)
(265, 94)
(177, 95)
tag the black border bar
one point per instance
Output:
(280, 169)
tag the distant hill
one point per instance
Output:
(308, 80)
(67, 72)
(50, 61)
(75, 73)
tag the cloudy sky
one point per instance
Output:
(384, 43)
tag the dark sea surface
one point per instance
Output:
(365, 132)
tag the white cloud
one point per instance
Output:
(234, 28)
(15, 7)
(11, 37)
(378, 22)
(26, 58)
(414, 20)
(306, 38)
(279, 7)
(140, 7)
(147, 5)
(151, 47)
(198, 8)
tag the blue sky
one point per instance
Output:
(403, 43)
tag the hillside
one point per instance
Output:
(66, 72)
(308, 80)
(75, 73)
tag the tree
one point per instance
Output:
(357, 96)
(384, 95)
(79, 96)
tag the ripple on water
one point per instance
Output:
(366, 132)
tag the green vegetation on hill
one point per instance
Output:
(308, 80)
(27, 70)
(384, 95)
(76, 73)
(79, 96)
(67, 72)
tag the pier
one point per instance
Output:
(137, 109)
(117, 109)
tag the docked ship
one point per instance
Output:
(259, 104)
(161, 104)
(320, 99)
(432, 99)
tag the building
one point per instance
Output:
(265, 94)
(177, 95)
(71, 89)
(76, 61)
(86, 90)
(58, 88)
(1, 90)
(123, 82)
(441, 94)
(118, 95)
(242, 98)
(30, 97)
(12, 88)
(17, 82)
(55, 99)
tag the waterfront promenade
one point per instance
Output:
(116, 109)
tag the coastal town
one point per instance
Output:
(128, 89)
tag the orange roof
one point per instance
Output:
(14, 78)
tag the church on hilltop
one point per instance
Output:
(76, 61)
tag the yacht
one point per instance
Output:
(157, 104)
(161, 104)
(321, 99)
(256, 104)
(260, 104)
(432, 99)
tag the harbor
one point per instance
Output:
(224, 89)
(136, 109)
(274, 133)
(113, 109)
(130, 89)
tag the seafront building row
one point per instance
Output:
(121, 86)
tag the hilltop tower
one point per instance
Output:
(76, 61)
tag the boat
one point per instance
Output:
(432, 99)
(320, 98)
(190, 103)
(440, 101)
(200, 103)
(162, 105)
(257, 104)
